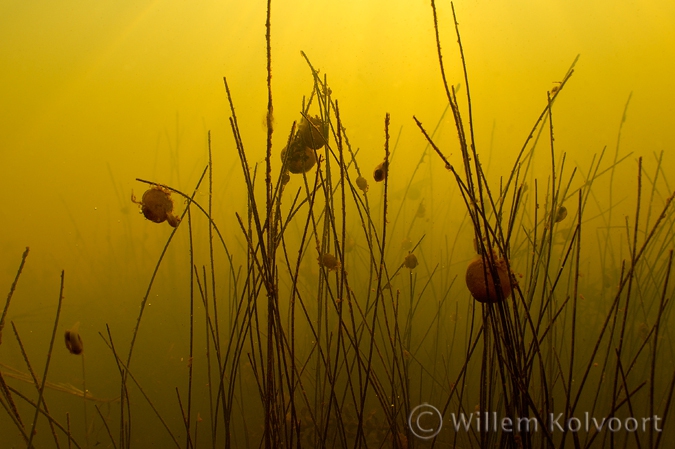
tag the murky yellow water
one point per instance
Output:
(96, 94)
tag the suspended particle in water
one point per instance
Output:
(73, 340)
(410, 261)
(157, 206)
(362, 184)
(380, 172)
(406, 244)
(329, 261)
(480, 282)
(561, 214)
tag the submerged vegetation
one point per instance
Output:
(324, 330)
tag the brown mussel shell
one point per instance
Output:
(480, 283)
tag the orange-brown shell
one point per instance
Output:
(157, 206)
(480, 283)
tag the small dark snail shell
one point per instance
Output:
(74, 341)
(380, 172)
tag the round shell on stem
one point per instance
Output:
(157, 206)
(410, 261)
(480, 282)
(380, 172)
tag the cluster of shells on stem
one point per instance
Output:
(300, 155)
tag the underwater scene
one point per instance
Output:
(320, 224)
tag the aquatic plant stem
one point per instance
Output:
(49, 357)
(157, 265)
(84, 400)
(657, 325)
(70, 437)
(188, 443)
(35, 382)
(11, 291)
(360, 438)
(124, 371)
(107, 428)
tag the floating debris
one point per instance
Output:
(157, 206)
(73, 340)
